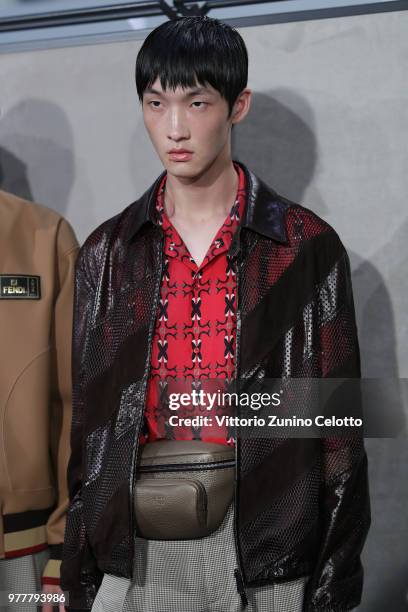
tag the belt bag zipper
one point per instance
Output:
(185, 467)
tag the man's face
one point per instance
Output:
(193, 119)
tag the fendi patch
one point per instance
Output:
(19, 287)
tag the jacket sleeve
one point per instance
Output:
(60, 395)
(337, 582)
(79, 573)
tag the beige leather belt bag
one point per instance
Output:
(183, 488)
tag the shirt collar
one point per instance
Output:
(264, 211)
(223, 238)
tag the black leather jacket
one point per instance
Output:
(301, 505)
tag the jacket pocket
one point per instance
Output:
(26, 427)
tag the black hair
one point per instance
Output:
(195, 49)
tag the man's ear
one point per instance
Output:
(241, 106)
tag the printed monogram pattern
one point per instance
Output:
(194, 340)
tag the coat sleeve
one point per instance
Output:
(337, 582)
(79, 573)
(61, 392)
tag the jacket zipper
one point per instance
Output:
(174, 467)
(146, 378)
(238, 573)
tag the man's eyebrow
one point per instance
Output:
(193, 92)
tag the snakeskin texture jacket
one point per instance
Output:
(301, 505)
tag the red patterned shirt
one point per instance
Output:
(194, 339)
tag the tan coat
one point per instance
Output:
(38, 249)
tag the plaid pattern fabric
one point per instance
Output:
(192, 576)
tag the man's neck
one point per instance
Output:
(199, 200)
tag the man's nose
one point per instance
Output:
(177, 127)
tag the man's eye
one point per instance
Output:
(199, 102)
(154, 102)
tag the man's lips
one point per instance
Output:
(181, 155)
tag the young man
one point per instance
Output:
(210, 274)
(38, 249)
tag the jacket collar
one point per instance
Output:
(264, 211)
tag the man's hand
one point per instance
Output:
(54, 589)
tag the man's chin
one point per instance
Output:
(186, 169)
